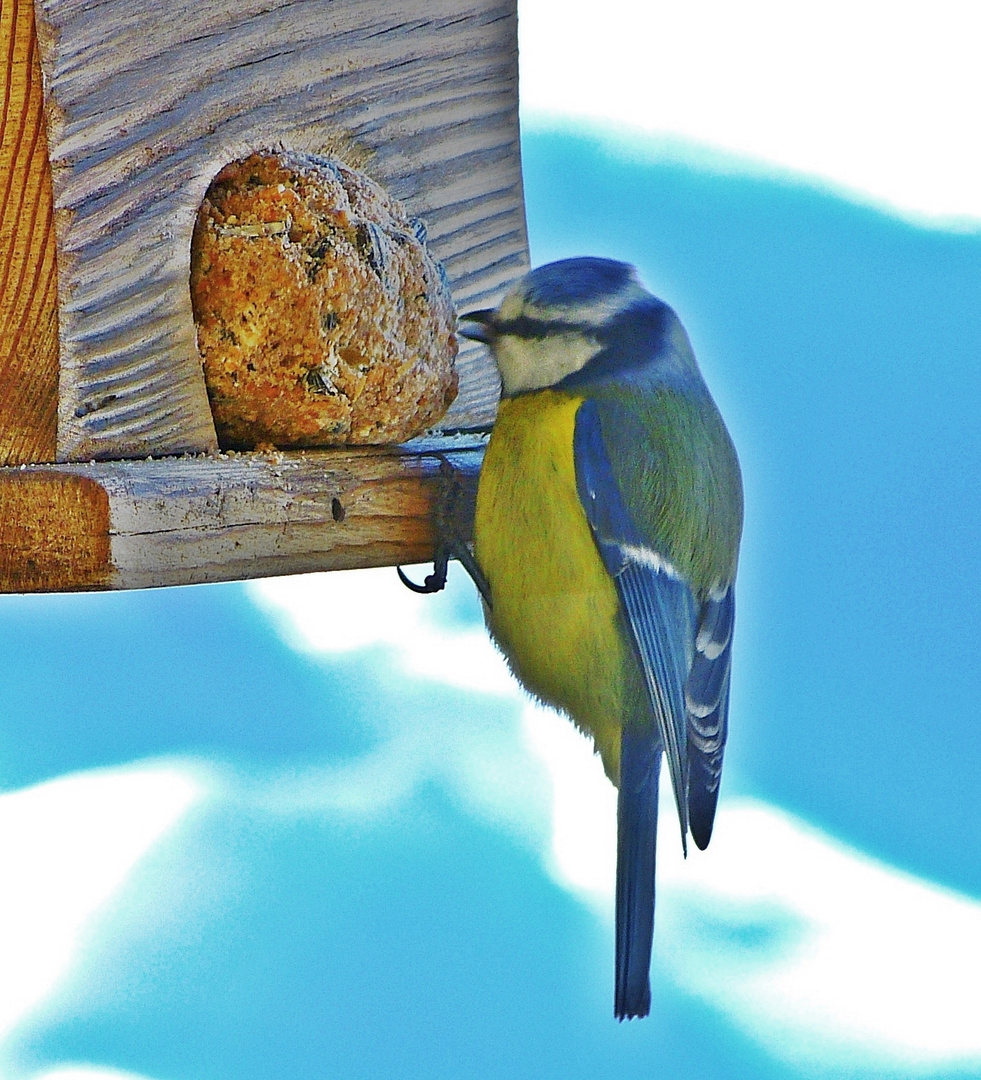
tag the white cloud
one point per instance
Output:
(477, 757)
(818, 952)
(879, 98)
(85, 1072)
(355, 609)
(821, 951)
(583, 853)
(65, 847)
(824, 956)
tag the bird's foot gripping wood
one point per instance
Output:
(449, 539)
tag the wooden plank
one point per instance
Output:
(28, 282)
(147, 101)
(179, 521)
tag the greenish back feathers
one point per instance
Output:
(677, 469)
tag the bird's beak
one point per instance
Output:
(481, 326)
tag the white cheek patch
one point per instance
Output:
(534, 363)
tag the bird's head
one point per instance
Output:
(557, 318)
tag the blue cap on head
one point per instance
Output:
(575, 281)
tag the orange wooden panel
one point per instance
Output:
(54, 532)
(28, 284)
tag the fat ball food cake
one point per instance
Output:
(321, 317)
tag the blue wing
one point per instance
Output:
(660, 613)
(659, 606)
(707, 706)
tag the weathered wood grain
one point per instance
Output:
(28, 282)
(54, 532)
(148, 100)
(179, 521)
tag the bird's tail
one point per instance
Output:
(640, 761)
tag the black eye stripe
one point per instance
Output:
(528, 328)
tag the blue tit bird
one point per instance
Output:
(608, 518)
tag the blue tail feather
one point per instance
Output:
(640, 761)
(707, 705)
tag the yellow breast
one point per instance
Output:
(555, 609)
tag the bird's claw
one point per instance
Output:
(432, 583)
(449, 544)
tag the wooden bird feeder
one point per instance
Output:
(117, 116)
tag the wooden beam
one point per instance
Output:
(28, 282)
(179, 521)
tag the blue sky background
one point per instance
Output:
(240, 842)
